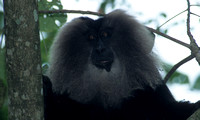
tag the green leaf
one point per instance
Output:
(176, 77)
(105, 3)
(45, 5)
(2, 64)
(150, 21)
(197, 84)
(45, 45)
(1, 21)
(165, 31)
(163, 15)
(4, 112)
(51, 22)
(1, 17)
(2, 93)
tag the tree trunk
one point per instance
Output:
(23, 60)
(195, 116)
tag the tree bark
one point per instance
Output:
(23, 60)
(195, 115)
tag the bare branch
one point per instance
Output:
(188, 23)
(169, 37)
(178, 15)
(70, 11)
(196, 5)
(193, 45)
(175, 67)
(172, 18)
(195, 14)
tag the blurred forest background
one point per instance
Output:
(50, 24)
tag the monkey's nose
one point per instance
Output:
(100, 47)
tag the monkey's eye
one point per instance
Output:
(104, 34)
(91, 37)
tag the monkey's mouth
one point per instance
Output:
(104, 64)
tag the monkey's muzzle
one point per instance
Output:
(104, 64)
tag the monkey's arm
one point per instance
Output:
(160, 102)
(48, 97)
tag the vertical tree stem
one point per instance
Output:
(23, 60)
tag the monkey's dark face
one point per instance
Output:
(102, 55)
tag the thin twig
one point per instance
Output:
(178, 15)
(169, 37)
(195, 14)
(70, 11)
(175, 67)
(196, 5)
(172, 18)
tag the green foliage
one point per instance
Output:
(1, 21)
(3, 85)
(197, 84)
(105, 3)
(51, 22)
(4, 112)
(163, 15)
(176, 77)
(2, 92)
(2, 64)
(1, 18)
(46, 43)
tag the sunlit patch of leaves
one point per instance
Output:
(51, 22)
